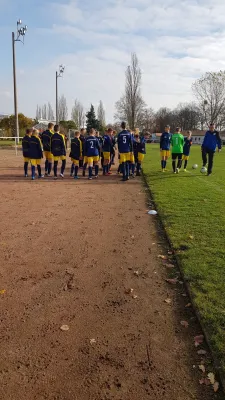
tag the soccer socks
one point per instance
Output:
(174, 166)
(72, 169)
(124, 170)
(63, 166)
(46, 166)
(185, 164)
(49, 167)
(90, 172)
(138, 168)
(132, 168)
(127, 169)
(39, 170)
(104, 169)
(76, 170)
(25, 168)
(33, 171)
(162, 164)
(55, 168)
(179, 164)
(96, 170)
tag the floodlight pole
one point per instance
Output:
(59, 74)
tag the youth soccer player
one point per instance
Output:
(211, 141)
(36, 154)
(165, 140)
(92, 151)
(46, 141)
(58, 149)
(76, 153)
(177, 142)
(139, 152)
(125, 148)
(26, 150)
(186, 149)
(107, 150)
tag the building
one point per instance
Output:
(197, 136)
(4, 116)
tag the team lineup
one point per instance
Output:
(86, 151)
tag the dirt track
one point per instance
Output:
(68, 253)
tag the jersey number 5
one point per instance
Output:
(124, 139)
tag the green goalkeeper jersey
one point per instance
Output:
(177, 143)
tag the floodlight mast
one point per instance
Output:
(59, 74)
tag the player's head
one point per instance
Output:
(35, 132)
(77, 134)
(136, 136)
(189, 134)
(114, 133)
(97, 133)
(167, 128)
(212, 127)
(123, 125)
(92, 132)
(56, 128)
(178, 129)
(83, 131)
(50, 126)
(109, 131)
(29, 131)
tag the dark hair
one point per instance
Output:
(29, 130)
(212, 123)
(177, 129)
(167, 126)
(123, 125)
(50, 125)
(110, 130)
(56, 128)
(136, 135)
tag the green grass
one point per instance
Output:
(192, 204)
(7, 142)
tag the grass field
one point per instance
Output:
(6, 143)
(192, 208)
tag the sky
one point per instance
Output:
(176, 42)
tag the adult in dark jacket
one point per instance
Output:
(211, 141)
(26, 150)
(36, 153)
(58, 149)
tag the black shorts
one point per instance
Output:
(177, 155)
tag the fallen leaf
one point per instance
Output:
(184, 295)
(202, 352)
(132, 237)
(170, 253)
(2, 291)
(162, 257)
(135, 296)
(169, 266)
(64, 328)
(216, 386)
(92, 341)
(136, 273)
(168, 301)
(211, 377)
(205, 381)
(172, 281)
(129, 291)
(188, 305)
(202, 368)
(185, 324)
(198, 340)
(191, 237)
(153, 243)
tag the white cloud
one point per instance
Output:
(175, 44)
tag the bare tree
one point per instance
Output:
(148, 120)
(62, 109)
(131, 105)
(210, 93)
(50, 112)
(44, 111)
(78, 114)
(38, 112)
(101, 113)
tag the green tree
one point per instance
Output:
(9, 124)
(66, 125)
(92, 121)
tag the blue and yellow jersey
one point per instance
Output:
(187, 146)
(165, 141)
(92, 147)
(35, 152)
(139, 147)
(46, 139)
(58, 146)
(76, 148)
(107, 144)
(26, 146)
(125, 142)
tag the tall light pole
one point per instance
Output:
(59, 74)
(18, 37)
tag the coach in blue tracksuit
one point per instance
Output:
(211, 140)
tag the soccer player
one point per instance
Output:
(58, 149)
(82, 138)
(36, 154)
(165, 141)
(177, 142)
(107, 150)
(211, 141)
(92, 151)
(76, 153)
(139, 152)
(26, 150)
(113, 153)
(46, 141)
(186, 149)
(125, 148)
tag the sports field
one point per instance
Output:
(86, 309)
(192, 209)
